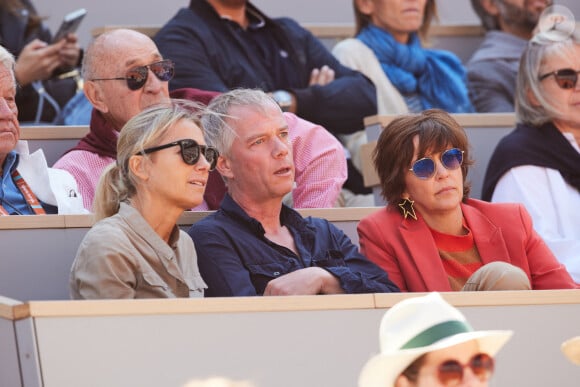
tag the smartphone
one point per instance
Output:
(69, 24)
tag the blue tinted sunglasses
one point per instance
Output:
(425, 168)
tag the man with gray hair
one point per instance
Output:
(492, 70)
(255, 245)
(28, 186)
(125, 73)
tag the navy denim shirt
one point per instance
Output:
(236, 259)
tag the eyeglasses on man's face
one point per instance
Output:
(137, 76)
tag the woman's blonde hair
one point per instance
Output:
(118, 183)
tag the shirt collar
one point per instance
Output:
(10, 163)
(256, 18)
(133, 217)
(288, 217)
(570, 137)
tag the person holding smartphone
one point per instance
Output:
(39, 62)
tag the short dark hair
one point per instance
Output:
(394, 151)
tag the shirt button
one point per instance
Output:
(276, 273)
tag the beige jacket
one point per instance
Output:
(123, 257)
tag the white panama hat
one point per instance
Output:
(571, 349)
(416, 326)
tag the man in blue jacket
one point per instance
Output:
(223, 44)
(255, 245)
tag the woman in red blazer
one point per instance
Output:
(431, 236)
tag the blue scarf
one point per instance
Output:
(437, 76)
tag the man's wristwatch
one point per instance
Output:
(283, 99)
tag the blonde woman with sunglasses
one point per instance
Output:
(136, 250)
(538, 164)
(432, 236)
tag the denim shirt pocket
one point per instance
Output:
(196, 286)
(332, 258)
(261, 274)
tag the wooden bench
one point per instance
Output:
(484, 130)
(38, 251)
(54, 140)
(307, 341)
(320, 30)
(460, 39)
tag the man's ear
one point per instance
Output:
(490, 7)
(366, 7)
(223, 166)
(139, 167)
(95, 96)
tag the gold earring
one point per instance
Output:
(407, 209)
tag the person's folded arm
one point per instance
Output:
(355, 272)
(341, 105)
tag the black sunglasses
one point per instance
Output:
(190, 152)
(137, 76)
(565, 78)
(425, 168)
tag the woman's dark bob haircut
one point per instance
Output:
(393, 155)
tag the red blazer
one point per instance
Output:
(405, 249)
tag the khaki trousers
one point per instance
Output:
(498, 275)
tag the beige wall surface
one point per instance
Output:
(314, 341)
(109, 12)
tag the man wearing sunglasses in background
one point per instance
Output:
(125, 73)
(492, 69)
(255, 245)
